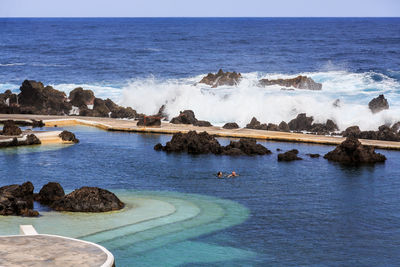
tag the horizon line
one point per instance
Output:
(151, 17)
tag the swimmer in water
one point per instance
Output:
(219, 175)
(233, 174)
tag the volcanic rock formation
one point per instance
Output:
(222, 78)
(300, 82)
(351, 151)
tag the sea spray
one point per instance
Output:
(271, 104)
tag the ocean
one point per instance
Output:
(303, 213)
(148, 62)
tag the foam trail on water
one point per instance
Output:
(271, 104)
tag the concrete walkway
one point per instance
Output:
(168, 128)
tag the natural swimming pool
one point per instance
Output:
(298, 213)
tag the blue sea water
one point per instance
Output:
(310, 212)
(148, 62)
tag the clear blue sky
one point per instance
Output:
(199, 8)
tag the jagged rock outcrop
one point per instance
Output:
(188, 117)
(351, 151)
(230, 125)
(49, 193)
(245, 147)
(203, 143)
(289, 155)
(68, 136)
(35, 98)
(11, 129)
(378, 104)
(384, 133)
(221, 78)
(301, 123)
(17, 200)
(88, 199)
(81, 98)
(304, 123)
(283, 127)
(255, 124)
(150, 121)
(300, 82)
(185, 117)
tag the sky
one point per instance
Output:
(199, 8)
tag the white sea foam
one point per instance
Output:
(270, 104)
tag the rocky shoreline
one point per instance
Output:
(35, 98)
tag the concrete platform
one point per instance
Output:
(48, 250)
(110, 124)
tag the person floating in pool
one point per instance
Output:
(233, 174)
(220, 175)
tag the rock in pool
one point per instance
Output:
(289, 155)
(49, 193)
(17, 200)
(88, 199)
(11, 129)
(351, 151)
(68, 136)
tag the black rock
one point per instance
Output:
(221, 78)
(17, 200)
(378, 104)
(50, 193)
(301, 123)
(88, 199)
(185, 117)
(68, 136)
(231, 125)
(11, 129)
(150, 121)
(289, 155)
(351, 151)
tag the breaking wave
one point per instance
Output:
(271, 104)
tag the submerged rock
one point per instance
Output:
(221, 78)
(88, 199)
(203, 143)
(68, 136)
(11, 129)
(351, 151)
(231, 125)
(300, 82)
(49, 193)
(150, 121)
(17, 200)
(378, 104)
(289, 155)
(313, 155)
